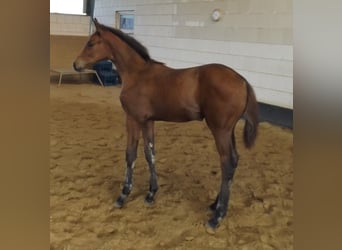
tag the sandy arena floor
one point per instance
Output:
(87, 146)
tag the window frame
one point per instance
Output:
(121, 13)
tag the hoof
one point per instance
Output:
(119, 202)
(212, 223)
(149, 199)
(149, 202)
(210, 230)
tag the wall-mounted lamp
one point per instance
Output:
(216, 15)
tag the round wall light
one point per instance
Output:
(216, 15)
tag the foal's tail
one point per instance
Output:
(251, 115)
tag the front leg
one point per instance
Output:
(133, 133)
(148, 135)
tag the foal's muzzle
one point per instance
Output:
(79, 64)
(76, 67)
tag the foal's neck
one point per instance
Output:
(126, 59)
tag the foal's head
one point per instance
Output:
(95, 50)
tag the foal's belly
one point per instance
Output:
(180, 115)
(176, 108)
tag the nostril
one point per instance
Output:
(75, 67)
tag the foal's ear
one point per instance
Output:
(97, 24)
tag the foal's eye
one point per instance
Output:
(90, 44)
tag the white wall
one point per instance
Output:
(253, 37)
(267, 67)
(68, 24)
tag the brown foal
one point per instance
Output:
(152, 92)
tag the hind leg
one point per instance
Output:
(234, 157)
(228, 159)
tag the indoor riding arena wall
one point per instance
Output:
(63, 51)
(68, 35)
(252, 36)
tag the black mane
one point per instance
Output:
(132, 42)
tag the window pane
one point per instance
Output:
(127, 22)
